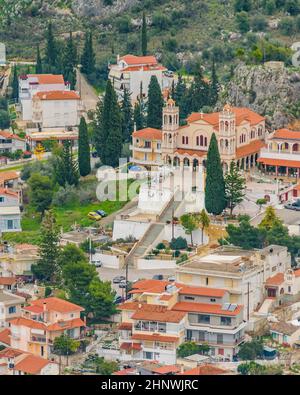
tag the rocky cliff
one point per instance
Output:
(100, 8)
(271, 90)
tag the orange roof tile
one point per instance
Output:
(9, 135)
(57, 95)
(276, 280)
(252, 148)
(63, 325)
(133, 60)
(10, 353)
(124, 372)
(32, 364)
(8, 192)
(205, 308)
(5, 336)
(7, 280)
(34, 309)
(132, 306)
(201, 291)
(131, 346)
(45, 79)
(279, 162)
(158, 313)
(148, 133)
(151, 286)
(145, 68)
(205, 370)
(8, 176)
(125, 326)
(155, 337)
(21, 321)
(286, 134)
(190, 152)
(297, 273)
(167, 369)
(56, 304)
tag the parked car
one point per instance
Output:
(293, 206)
(172, 278)
(102, 213)
(97, 263)
(94, 216)
(118, 279)
(158, 277)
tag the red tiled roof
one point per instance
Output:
(276, 280)
(5, 336)
(155, 337)
(56, 304)
(9, 192)
(158, 313)
(131, 346)
(205, 308)
(167, 369)
(205, 370)
(125, 326)
(190, 152)
(297, 273)
(128, 306)
(10, 353)
(45, 79)
(7, 280)
(33, 309)
(201, 291)
(252, 148)
(148, 133)
(151, 286)
(9, 135)
(31, 364)
(124, 372)
(144, 68)
(280, 162)
(21, 321)
(133, 60)
(8, 175)
(58, 95)
(286, 134)
(63, 325)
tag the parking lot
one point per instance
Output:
(133, 275)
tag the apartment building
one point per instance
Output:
(134, 74)
(10, 142)
(242, 273)
(146, 147)
(44, 320)
(17, 260)
(162, 315)
(10, 214)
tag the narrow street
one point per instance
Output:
(88, 95)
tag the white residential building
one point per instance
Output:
(10, 143)
(10, 307)
(56, 109)
(132, 72)
(30, 84)
(10, 214)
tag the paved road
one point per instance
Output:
(289, 217)
(133, 275)
(87, 92)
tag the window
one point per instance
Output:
(148, 355)
(147, 144)
(10, 224)
(1, 199)
(212, 300)
(203, 319)
(189, 298)
(206, 281)
(12, 310)
(225, 321)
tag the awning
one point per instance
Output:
(280, 162)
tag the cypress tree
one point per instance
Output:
(127, 122)
(15, 85)
(215, 199)
(144, 35)
(38, 66)
(70, 61)
(51, 49)
(138, 116)
(88, 55)
(214, 86)
(199, 92)
(155, 104)
(179, 96)
(66, 168)
(84, 158)
(108, 130)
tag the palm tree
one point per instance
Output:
(204, 221)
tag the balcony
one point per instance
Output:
(38, 339)
(156, 162)
(140, 148)
(283, 155)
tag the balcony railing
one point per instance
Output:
(38, 339)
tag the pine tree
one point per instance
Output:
(144, 36)
(127, 122)
(108, 128)
(47, 268)
(84, 156)
(215, 200)
(138, 116)
(234, 187)
(155, 104)
(15, 85)
(70, 61)
(214, 87)
(39, 65)
(88, 55)
(51, 48)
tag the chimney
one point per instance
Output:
(45, 312)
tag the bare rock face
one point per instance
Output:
(271, 90)
(97, 8)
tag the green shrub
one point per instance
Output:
(160, 246)
(178, 244)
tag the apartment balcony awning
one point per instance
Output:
(280, 162)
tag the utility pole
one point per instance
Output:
(248, 302)
(173, 221)
(126, 277)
